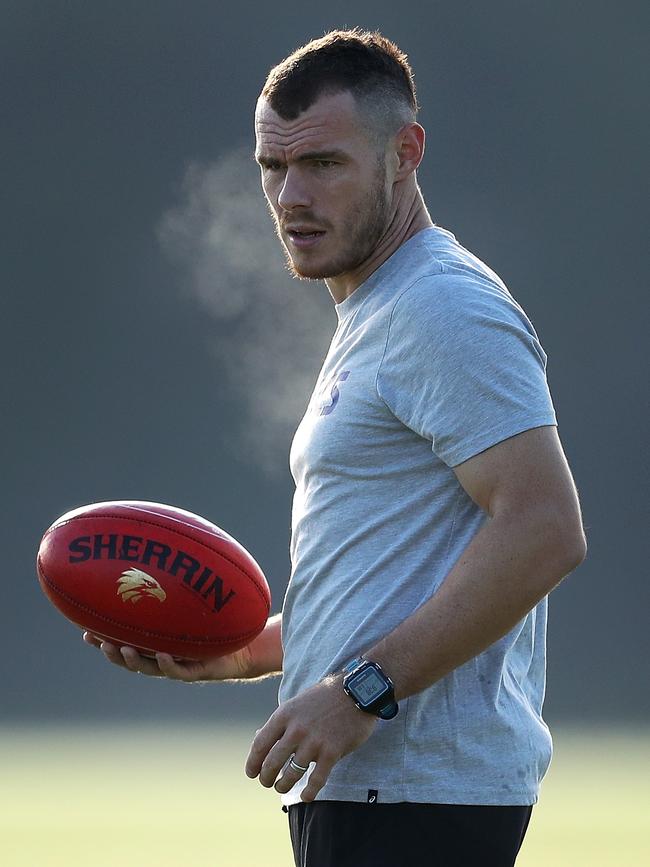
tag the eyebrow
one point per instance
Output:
(310, 156)
(321, 155)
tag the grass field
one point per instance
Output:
(149, 797)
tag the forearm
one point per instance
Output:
(510, 565)
(265, 652)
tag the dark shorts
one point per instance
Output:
(341, 834)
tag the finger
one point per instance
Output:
(276, 761)
(318, 777)
(137, 663)
(112, 653)
(290, 775)
(91, 639)
(171, 668)
(264, 740)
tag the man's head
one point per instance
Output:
(372, 68)
(336, 136)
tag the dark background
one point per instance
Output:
(153, 347)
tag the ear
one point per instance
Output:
(409, 149)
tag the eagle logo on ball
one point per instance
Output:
(134, 585)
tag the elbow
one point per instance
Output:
(575, 551)
(570, 547)
(557, 545)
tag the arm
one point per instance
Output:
(261, 658)
(532, 538)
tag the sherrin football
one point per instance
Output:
(155, 577)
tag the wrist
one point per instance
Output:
(263, 656)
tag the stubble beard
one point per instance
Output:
(363, 229)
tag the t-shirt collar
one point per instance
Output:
(351, 304)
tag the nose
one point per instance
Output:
(294, 193)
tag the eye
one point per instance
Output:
(324, 164)
(272, 166)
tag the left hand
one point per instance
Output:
(320, 725)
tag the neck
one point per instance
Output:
(409, 218)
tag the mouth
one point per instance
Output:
(304, 237)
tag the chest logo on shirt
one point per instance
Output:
(328, 405)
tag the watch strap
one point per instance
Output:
(353, 665)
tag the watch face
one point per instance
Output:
(368, 686)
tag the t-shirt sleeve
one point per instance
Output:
(463, 366)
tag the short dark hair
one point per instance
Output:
(366, 63)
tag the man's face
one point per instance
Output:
(325, 182)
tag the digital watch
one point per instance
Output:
(369, 688)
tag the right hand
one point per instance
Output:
(234, 666)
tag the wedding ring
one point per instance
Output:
(296, 767)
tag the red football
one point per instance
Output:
(155, 577)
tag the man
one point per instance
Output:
(434, 509)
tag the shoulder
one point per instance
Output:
(448, 298)
(457, 302)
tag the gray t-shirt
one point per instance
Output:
(432, 362)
